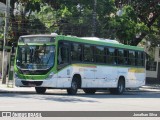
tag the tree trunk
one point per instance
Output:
(135, 41)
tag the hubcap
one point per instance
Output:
(121, 87)
(74, 85)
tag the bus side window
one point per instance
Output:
(88, 53)
(59, 56)
(137, 58)
(76, 52)
(116, 56)
(111, 56)
(126, 57)
(131, 59)
(63, 55)
(100, 54)
(142, 59)
(121, 58)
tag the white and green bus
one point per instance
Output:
(72, 63)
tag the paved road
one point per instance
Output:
(58, 100)
(55, 100)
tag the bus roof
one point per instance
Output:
(38, 35)
(89, 40)
(101, 41)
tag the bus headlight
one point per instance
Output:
(50, 75)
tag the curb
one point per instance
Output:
(5, 89)
(32, 90)
(149, 90)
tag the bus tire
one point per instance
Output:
(40, 90)
(74, 87)
(89, 90)
(120, 87)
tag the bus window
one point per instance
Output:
(139, 58)
(76, 52)
(131, 59)
(111, 56)
(99, 54)
(88, 53)
(142, 58)
(126, 57)
(63, 54)
(121, 59)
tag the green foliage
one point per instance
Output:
(47, 16)
(127, 26)
(153, 39)
(138, 19)
(1, 36)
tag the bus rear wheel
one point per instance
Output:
(40, 90)
(120, 88)
(89, 90)
(74, 87)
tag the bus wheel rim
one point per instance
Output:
(74, 85)
(120, 87)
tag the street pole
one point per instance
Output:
(4, 42)
(94, 19)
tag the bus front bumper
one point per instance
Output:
(35, 83)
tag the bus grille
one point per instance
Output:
(32, 83)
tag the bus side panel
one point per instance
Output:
(64, 78)
(140, 79)
(107, 76)
(87, 76)
(136, 77)
(87, 73)
(100, 76)
(50, 82)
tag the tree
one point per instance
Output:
(146, 13)
(126, 26)
(19, 20)
(139, 18)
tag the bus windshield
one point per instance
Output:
(35, 57)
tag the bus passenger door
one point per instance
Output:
(64, 73)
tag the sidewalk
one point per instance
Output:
(151, 87)
(9, 89)
(5, 89)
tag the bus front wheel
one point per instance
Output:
(74, 87)
(40, 90)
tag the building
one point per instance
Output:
(153, 68)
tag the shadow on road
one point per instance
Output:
(80, 97)
(63, 97)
